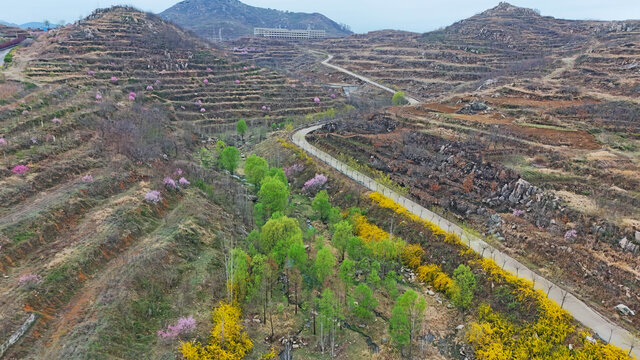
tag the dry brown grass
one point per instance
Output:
(7, 89)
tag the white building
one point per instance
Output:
(290, 34)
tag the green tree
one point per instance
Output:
(281, 230)
(364, 302)
(229, 158)
(270, 277)
(220, 145)
(298, 254)
(241, 128)
(347, 275)
(464, 285)
(328, 316)
(321, 205)
(206, 158)
(256, 278)
(295, 285)
(391, 284)
(240, 274)
(406, 315)
(399, 99)
(279, 174)
(273, 194)
(356, 248)
(374, 278)
(325, 261)
(255, 169)
(342, 232)
(259, 214)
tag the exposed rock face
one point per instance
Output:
(375, 124)
(507, 10)
(473, 107)
(627, 245)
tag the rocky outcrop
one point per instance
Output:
(473, 107)
(375, 124)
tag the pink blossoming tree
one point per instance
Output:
(153, 197)
(315, 183)
(19, 169)
(183, 326)
(169, 183)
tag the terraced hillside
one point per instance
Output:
(528, 134)
(94, 118)
(495, 47)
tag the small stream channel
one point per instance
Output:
(372, 346)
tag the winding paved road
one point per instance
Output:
(580, 311)
(4, 53)
(590, 318)
(411, 100)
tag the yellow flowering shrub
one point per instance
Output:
(299, 152)
(272, 354)
(432, 274)
(442, 282)
(227, 340)
(412, 255)
(596, 351)
(368, 231)
(387, 203)
(493, 336)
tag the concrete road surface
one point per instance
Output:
(584, 314)
(411, 100)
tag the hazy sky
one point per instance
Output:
(361, 15)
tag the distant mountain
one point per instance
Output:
(231, 19)
(32, 25)
(8, 24)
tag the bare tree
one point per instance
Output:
(549, 288)
(228, 267)
(564, 293)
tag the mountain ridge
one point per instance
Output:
(231, 19)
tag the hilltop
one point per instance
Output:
(230, 19)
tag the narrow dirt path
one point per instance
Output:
(589, 317)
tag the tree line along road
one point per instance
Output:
(590, 318)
